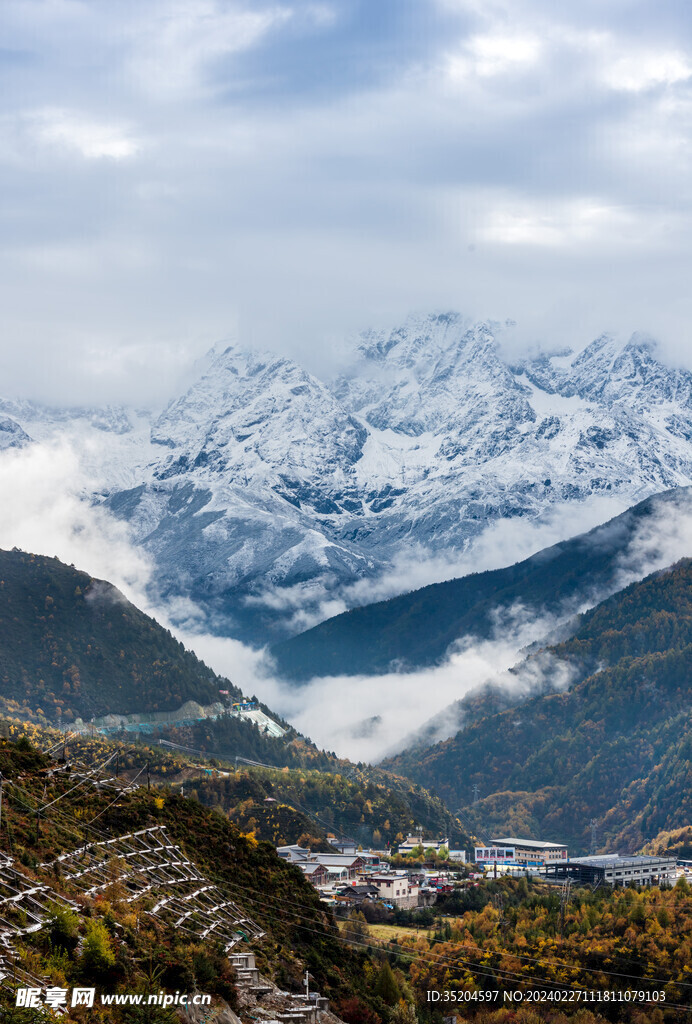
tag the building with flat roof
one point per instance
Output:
(612, 869)
(532, 851)
(345, 846)
(396, 889)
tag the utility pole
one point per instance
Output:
(475, 792)
(148, 779)
(594, 825)
(1, 782)
(117, 764)
(564, 900)
(499, 904)
(306, 982)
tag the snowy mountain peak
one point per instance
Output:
(258, 416)
(11, 434)
(264, 493)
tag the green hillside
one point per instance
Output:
(73, 646)
(617, 746)
(416, 629)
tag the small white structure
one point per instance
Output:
(412, 842)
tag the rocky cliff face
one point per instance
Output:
(262, 491)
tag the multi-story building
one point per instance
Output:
(529, 852)
(612, 869)
(396, 889)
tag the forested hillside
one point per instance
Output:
(370, 808)
(501, 942)
(617, 746)
(73, 646)
(416, 629)
(112, 942)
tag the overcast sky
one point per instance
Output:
(174, 172)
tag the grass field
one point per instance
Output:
(387, 932)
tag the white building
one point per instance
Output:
(529, 852)
(412, 842)
(396, 889)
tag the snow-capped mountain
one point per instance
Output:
(262, 492)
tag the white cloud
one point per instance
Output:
(555, 224)
(494, 54)
(198, 162)
(91, 139)
(366, 718)
(640, 70)
(45, 510)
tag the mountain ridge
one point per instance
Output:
(418, 629)
(270, 497)
(615, 746)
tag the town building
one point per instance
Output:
(346, 846)
(396, 889)
(529, 852)
(293, 853)
(371, 861)
(412, 842)
(612, 869)
(333, 861)
(358, 894)
(315, 873)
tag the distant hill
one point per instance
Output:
(71, 645)
(617, 746)
(416, 629)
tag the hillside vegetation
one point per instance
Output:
(416, 629)
(617, 746)
(375, 808)
(71, 645)
(501, 938)
(137, 952)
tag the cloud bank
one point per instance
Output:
(290, 170)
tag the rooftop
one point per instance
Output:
(533, 844)
(609, 860)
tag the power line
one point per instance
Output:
(406, 953)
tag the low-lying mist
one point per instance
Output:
(47, 510)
